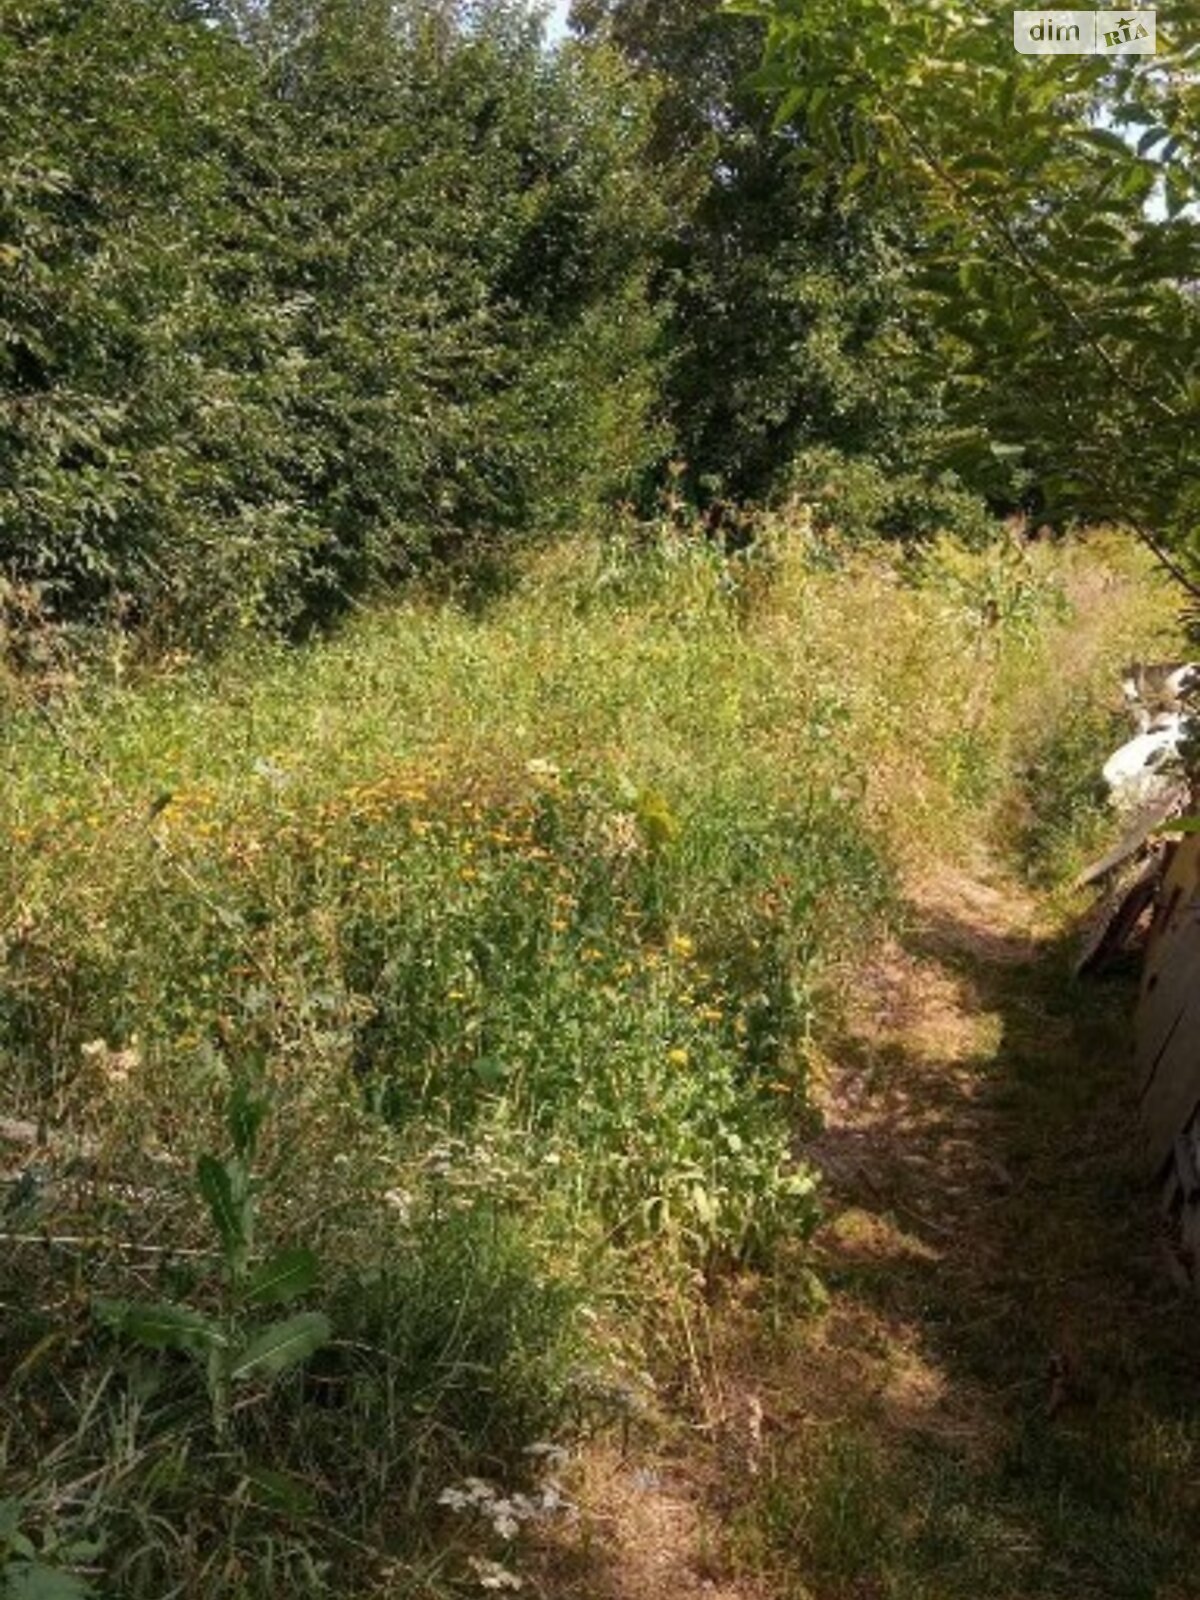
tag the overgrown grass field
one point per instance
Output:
(476, 955)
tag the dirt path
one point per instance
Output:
(979, 1384)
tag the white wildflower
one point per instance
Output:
(493, 1576)
(400, 1202)
(114, 1065)
(553, 1499)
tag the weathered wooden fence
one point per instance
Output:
(1168, 1045)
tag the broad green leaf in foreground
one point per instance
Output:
(161, 1327)
(282, 1345)
(244, 1118)
(286, 1275)
(225, 1203)
(30, 1580)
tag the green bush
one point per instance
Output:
(290, 311)
(861, 500)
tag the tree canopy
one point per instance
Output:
(300, 296)
(1060, 246)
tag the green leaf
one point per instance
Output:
(244, 1118)
(223, 1185)
(788, 107)
(1151, 137)
(279, 1491)
(30, 1580)
(160, 1327)
(1177, 195)
(11, 1512)
(282, 1345)
(1105, 139)
(286, 1275)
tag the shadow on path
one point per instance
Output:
(1004, 1343)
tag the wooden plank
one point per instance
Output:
(1173, 1094)
(1168, 1020)
(1149, 820)
(1179, 905)
(1181, 883)
(1185, 1167)
(1175, 980)
(1118, 920)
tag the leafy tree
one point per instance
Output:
(1061, 247)
(792, 314)
(461, 215)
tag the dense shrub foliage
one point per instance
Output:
(1060, 236)
(291, 304)
(791, 312)
(301, 298)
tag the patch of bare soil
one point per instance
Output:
(648, 1529)
(913, 1167)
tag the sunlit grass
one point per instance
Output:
(525, 921)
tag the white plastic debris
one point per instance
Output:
(1136, 771)
(1157, 687)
